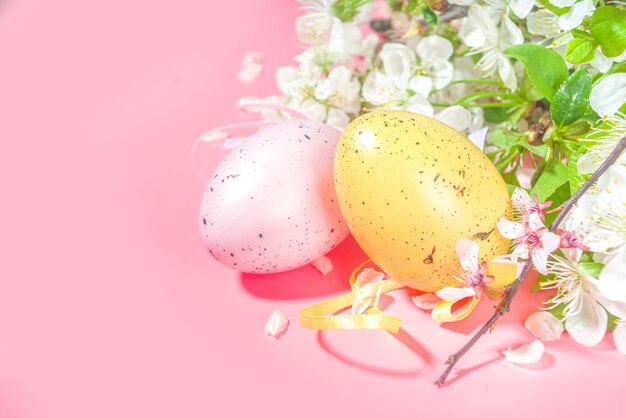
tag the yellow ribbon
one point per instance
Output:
(316, 316)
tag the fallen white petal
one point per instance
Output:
(544, 325)
(619, 337)
(427, 301)
(368, 275)
(525, 354)
(276, 324)
(366, 297)
(323, 265)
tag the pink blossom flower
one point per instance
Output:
(524, 205)
(475, 277)
(530, 239)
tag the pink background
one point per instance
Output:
(109, 306)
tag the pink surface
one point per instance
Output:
(109, 306)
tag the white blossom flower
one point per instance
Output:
(545, 24)
(609, 94)
(434, 53)
(599, 219)
(475, 279)
(612, 280)
(489, 34)
(619, 337)
(520, 8)
(578, 9)
(604, 140)
(585, 311)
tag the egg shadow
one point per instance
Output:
(307, 282)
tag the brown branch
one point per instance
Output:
(510, 294)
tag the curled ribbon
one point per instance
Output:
(318, 316)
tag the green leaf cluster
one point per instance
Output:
(607, 30)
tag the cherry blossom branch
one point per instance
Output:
(512, 290)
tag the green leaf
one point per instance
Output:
(430, 16)
(612, 322)
(580, 51)
(539, 150)
(496, 114)
(545, 68)
(590, 269)
(502, 138)
(560, 196)
(571, 100)
(573, 154)
(345, 10)
(553, 176)
(608, 28)
(581, 34)
(556, 10)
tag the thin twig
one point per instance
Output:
(510, 294)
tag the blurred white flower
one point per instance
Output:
(488, 32)
(408, 76)
(604, 139)
(395, 87)
(599, 219)
(333, 99)
(315, 26)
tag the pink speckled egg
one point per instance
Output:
(271, 204)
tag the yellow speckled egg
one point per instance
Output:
(409, 187)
